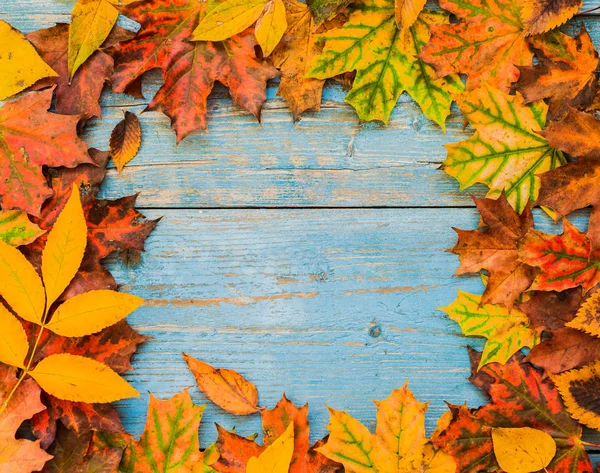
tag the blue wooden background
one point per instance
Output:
(309, 257)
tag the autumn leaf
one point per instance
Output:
(18, 455)
(579, 390)
(271, 26)
(522, 450)
(91, 23)
(276, 457)
(189, 69)
(80, 95)
(207, 458)
(51, 140)
(506, 153)
(20, 63)
(407, 11)
(226, 388)
(305, 459)
(323, 10)
(125, 140)
(565, 72)
(565, 260)
(487, 45)
(520, 397)
(235, 452)
(16, 229)
(14, 345)
(540, 16)
(493, 248)
(170, 439)
(549, 311)
(587, 318)
(506, 332)
(227, 18)
(398, 445)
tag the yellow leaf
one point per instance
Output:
(588, 316)
(80, 379)
(20, 285)
(401, 429)
(91, 23)
(64, 249)
(407, 11)
(579, 389)
(91, 312)
(20, 64)
(16, 229)
(271, 26)
(13, 339)
(523, 450)
(277, 457)
(228, 19)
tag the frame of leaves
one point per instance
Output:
(64, 337)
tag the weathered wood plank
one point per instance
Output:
(331, 306)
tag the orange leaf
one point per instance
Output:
(125, 140)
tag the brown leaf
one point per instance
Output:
(234, 452)
(226, 388)
(549, 311)
(577, 134)
(540, 16)
(494, 248)
(125, 140)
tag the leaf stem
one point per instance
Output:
(593, 445)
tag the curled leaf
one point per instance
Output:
(125, 140)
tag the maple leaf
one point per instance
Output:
(73, 453)
(170, 439)
(305, 459)
(506, 332)
(487, 45)
(235, 452)
(520, 397)
(19, 456)
(506, 153)
(565, 72)
(398, 445)
(226, 388)
(323, 10)
(276, 457)
(125, 140)
(16, 229)
(80, 95)
(385, 62)
(540, 16)
(565, 260)
(20, 64)
(493, 247)
(579, 389)
(550, 311)
(31, 137)
(189, 69)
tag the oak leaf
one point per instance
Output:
(385, 62)
(125, 140)
(20, 64)
(18, 455)
(51, 140)
(493, 247)
(398, 445)
(234, 451)
(522, 450)
(305, 459)
(520, 397)
(323, 10)
(506, 153)
(226, 388)
(276, 457)
(579, 389)
(91, 23)
(487, 45)
(170, 439)
(567, 260)
(16, 229)
(506, 332)
(189, 69)
(565, 72)
(540, 16)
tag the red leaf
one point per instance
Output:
(234, 451)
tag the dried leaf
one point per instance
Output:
(540, 16)
(226, 388)
(276, 457)
(234, 452)
(18, 455)
(588, 316)
(125, 140)
(579, 389)
(550, 311)
(506, 153)
(523, 450)
(16, 229)
(76, 378)
(20, 64)
(323, 10)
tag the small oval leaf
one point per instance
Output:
(80, 379)
(92, 312)
(125, 140)
(228, 19)
(13, 339)
(523, 450)
(271, 26)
